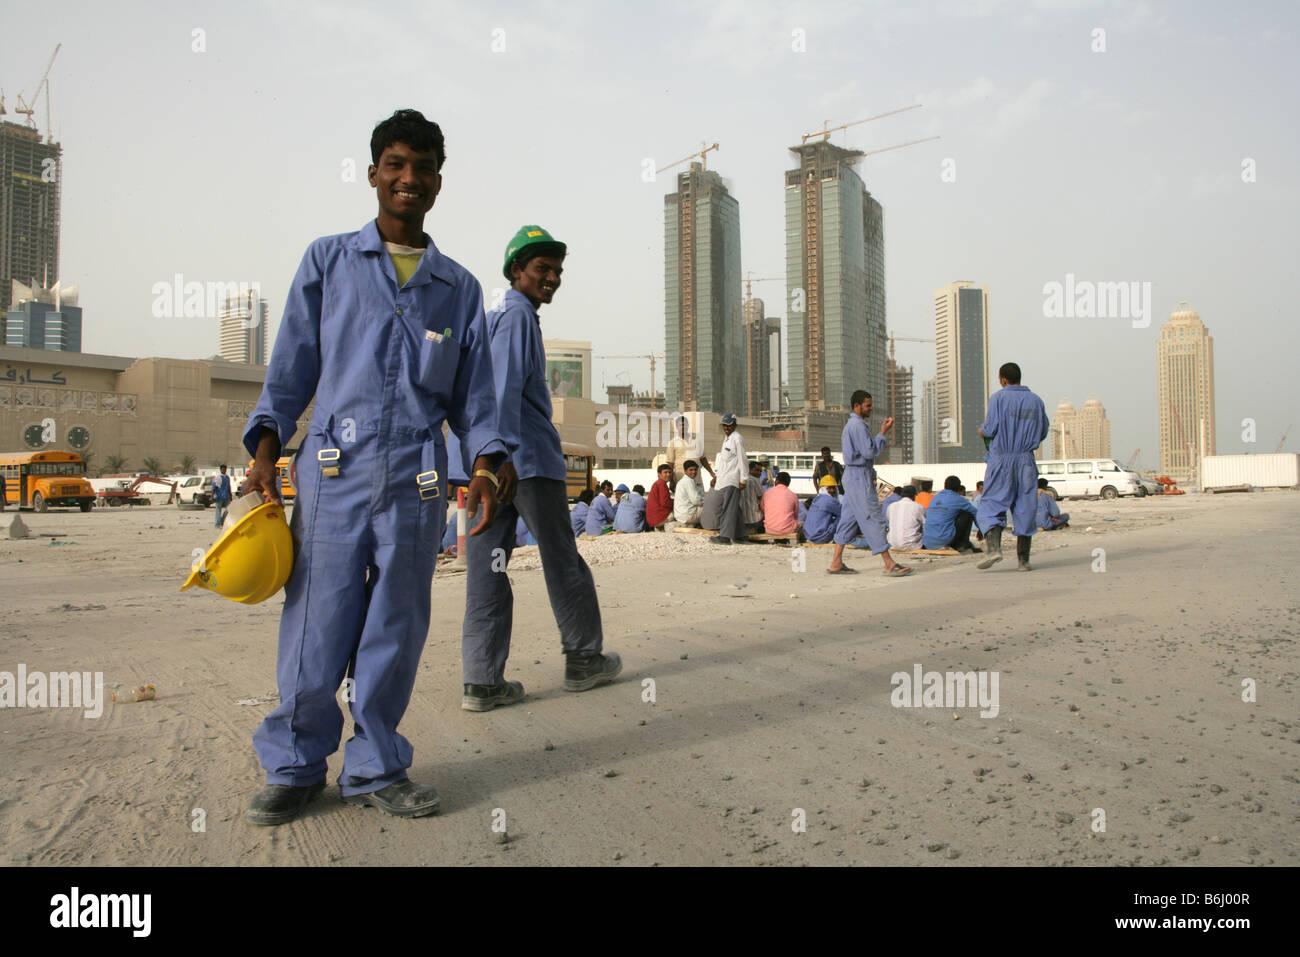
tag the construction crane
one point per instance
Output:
(651, 356)
(1282, 441)
(28, 107)
(893, 394)
(1132, 460)
(826, 130)
(750, 279)
(702, 154)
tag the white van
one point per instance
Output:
(1089, 478)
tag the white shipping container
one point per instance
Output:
(1271, 470)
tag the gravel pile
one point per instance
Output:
(621, 549)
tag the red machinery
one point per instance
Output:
(115, 497)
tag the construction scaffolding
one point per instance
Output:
(30, 183)
(902, 439)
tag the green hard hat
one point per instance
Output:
(530, 236)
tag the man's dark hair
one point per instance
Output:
(664, 466)
(409, 127)
(826, 448)
(782, 478)
(639, 489)
(585, 496)
(952, 483)
(979, 484)
(1042, 483)
(529, 253)
(607, 485)
(907, 491)
(860, 396)
(690, 464)
(961, 489)
(1011, 372)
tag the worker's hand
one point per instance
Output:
(264, 477)
(742, 484)
(481, 490)
(886, 425)
(507, 482)
(713, 481)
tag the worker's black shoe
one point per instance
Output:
(400, 799)
(582, 673)
(994, 538)
(720, 540)
(281, 803)
(487, 697)
(1022, 552)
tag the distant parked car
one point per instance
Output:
(194, 491)
(1151, 486)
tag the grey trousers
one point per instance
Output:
(489, 600)
(731, 526)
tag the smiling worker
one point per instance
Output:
(388, 335)
(532, 487)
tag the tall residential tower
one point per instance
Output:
(1185, 361)
(835, 280)
(30, 183)
(962, 385)
(704, 344)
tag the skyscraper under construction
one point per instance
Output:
(30, 177)
(703, 337)
(835, 280)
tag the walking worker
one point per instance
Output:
(860, 516)
(388, 335)
(732, 472)
(533, 488)
(1016, 424)
(221, 496)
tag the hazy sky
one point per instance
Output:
(1121, 165)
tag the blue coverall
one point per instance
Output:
(629, 517)
(578, 518)
(861, 513)
(823, 516)
(599, 514)
(1017, 424)
(386, 366)
(1049, 515)
(523, 401)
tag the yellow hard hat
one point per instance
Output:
(828, 482)
(251, 560)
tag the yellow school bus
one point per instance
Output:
(283, 465)
(578, 463)
(38, 480)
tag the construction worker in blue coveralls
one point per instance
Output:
(860, 515)
(1016, 424)
(388, 334)
(533, 488)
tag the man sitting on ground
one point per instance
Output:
(630, 516)
(887, 501)
(906, 520)
(578, 514)
(781, 508)
(688, 500)
(600, 516)
(1050, 516)
(659, 504)
(948, 519)
(823, 514)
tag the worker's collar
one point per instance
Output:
(514, 295)
(1017, 385)
(433, 265)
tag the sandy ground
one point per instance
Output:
(1119, 690)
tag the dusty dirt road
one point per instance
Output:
(1120, 692)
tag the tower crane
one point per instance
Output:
(1282, 441)
(750, 279)
(702, 154)
(826, 131)
(28, 106)
(893, 392)
(651, 356)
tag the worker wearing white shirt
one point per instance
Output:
(730, 475)
(906, 520)
(688, 500)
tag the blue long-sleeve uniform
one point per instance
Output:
(630, 515)
(1017, 424)
(600, 514)
(941, 518)
(860, 517)
(387, 366)
(822, 519)
(1049, 515)
(578, 518)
